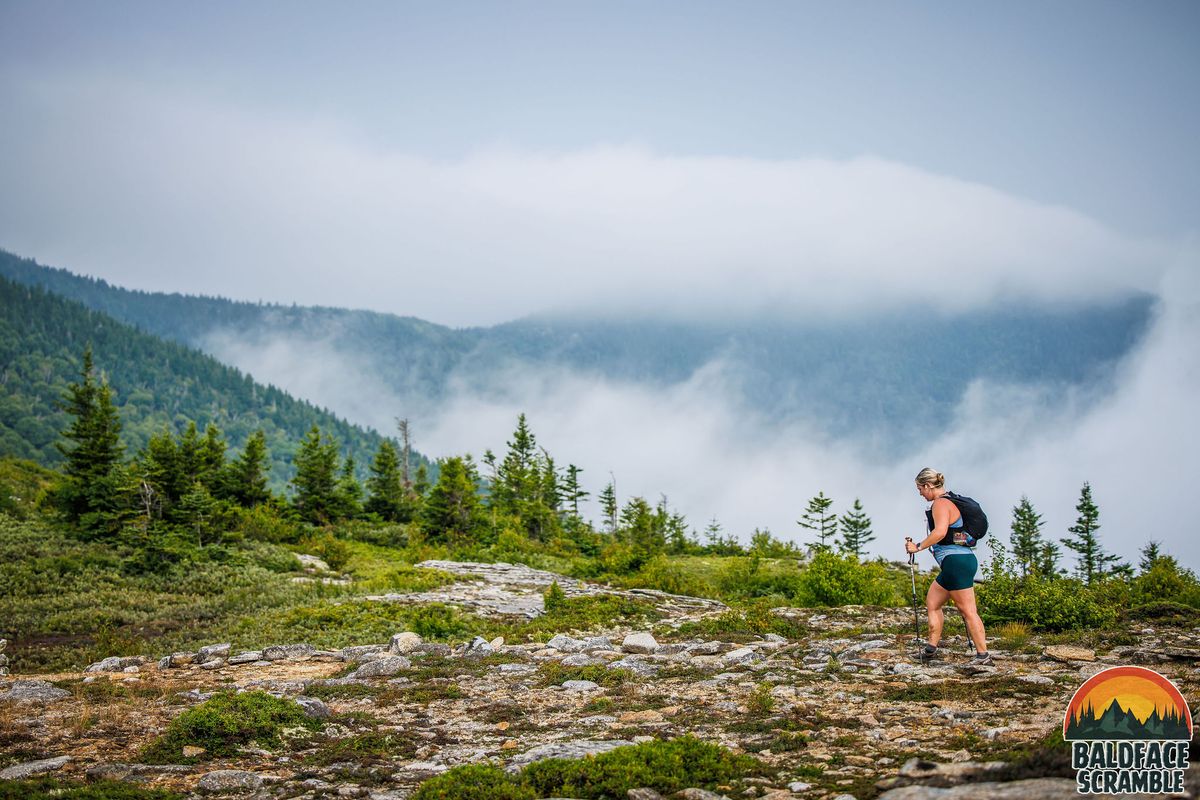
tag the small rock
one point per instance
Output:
(743, 655)
(229, 781)
(403, 643)
(211, 651)
(478, 648)
(639, 643)
(248, 657)
(1040, 680)
(643, 794)
(573, 749)
(634, 717)
(565, 643)
(115, 664)
(34, 691)
(799, 786)
(384, 667)
(1066, 653)
(700, 794)
(191, 751)
(313, 708)
(580, 686)
(288, 652)
(581, 660)
(30, 768)
(180, 659)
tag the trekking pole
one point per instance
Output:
(912, 574)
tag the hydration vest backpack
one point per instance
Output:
(974, 521)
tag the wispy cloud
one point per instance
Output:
(174, 193)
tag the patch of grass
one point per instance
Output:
(1013, 635)
(54, 789)
(348, 691)
(751, 622)
(665, 766)
(428, 692)
(1165, 612)
(585, 613)
(966, 690)
(223, 724)
(552, 674)
(364, 749)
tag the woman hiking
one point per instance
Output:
(958, 564)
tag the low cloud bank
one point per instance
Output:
(698, 444)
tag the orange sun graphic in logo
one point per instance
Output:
(1127, 703)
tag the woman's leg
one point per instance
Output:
(934, 600)
(964, 601)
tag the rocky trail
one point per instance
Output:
(837, 709)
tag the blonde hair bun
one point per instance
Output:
(931, 477)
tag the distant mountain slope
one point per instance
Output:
(870, 375)
(157, 384)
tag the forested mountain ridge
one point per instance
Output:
(868, 374)
(157, 384)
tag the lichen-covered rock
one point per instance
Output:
(229, 781)
(288, 652)
(30, 768)
(34, 691)
(384, 667)
(403, 643)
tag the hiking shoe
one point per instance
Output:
(983, 659)
(928, 652)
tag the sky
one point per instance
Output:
(475, 163)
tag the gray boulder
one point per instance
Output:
(229, 781)
(288, 652)
(30, 768)
(642, 643)
(384, 667)
(1032, 789)
(34, 691)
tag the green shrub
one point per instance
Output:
(1166, 579)
(1166, 612)
(761, 701)
(328, 548)
(265, 523)
(474, 782)
(554, 598)
(832, 579)
(552, 674)
(225, 722)
(54, 789)
(665, 766)
(1049, 604)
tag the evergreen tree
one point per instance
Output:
(641, 530)
(94, 494)
(1151, 554)
(161, 469)
(451, 509)
(421, 483)
(572, 491)
(855, 526)
(817, 517)
(1026, 537)
(608, 506)
(517, 477)
(197, 509)
(348, 493)
(385, 486)
(245, 480)
(1047, 560)
(316, 478)
(211, 457)
(1094, 562)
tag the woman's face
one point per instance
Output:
(925, 491)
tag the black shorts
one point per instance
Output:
(958, 571)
